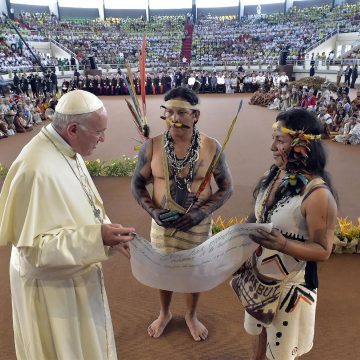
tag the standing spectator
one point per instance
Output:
(178, 78)
(347, 74)
(33, 86)
(191, 80)
(54, 83)
(312, 70)
(339, 75)
(24, 84)
(213, 82)
(20, 47)
(312, 60)
(16, 82)
(354, 76)
(167, 82)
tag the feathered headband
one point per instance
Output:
(182, 104)
(296, 133)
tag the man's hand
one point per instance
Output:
(116, 234)
(170, 216)
(122, 248)
(187, 221)
(159, 215)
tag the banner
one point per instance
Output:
(195, 270)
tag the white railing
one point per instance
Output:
(63, 47)
(356, 46)
(323, 62)
(318, 43)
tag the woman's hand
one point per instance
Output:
(273, 240)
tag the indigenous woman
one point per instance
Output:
(296, 196)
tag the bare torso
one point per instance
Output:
(207, 152)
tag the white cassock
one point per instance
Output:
(60, 308)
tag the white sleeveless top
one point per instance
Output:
(285, 216)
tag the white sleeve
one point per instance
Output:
(67, 248)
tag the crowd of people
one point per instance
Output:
(160, 82)
(217, 40)
(20, 113)
(254, 39)
(115, 40)
(15, 55)
(33, 94)
(338, 114)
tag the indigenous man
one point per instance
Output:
(52, 214)
(176, 162)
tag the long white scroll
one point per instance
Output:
(195, 270)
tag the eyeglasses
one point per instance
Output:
(179, 112)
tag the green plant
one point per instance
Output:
(3, 170)
(121, 167)
(94, 167)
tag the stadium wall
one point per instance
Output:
(348, 38)
(18, 8)
(69, 12)
(3, 7)
(312, 3)
(265, 9)
(42, 47)
(221, 11)
(168, 12)
(124, 13)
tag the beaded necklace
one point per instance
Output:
(177, 165)
(292, 184)
(262, 207)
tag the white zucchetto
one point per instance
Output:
(78, 102)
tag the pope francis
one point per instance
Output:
(53, 216)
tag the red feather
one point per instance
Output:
(142, 72)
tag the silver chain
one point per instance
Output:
(84, 186)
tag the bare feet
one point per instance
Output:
(198, 330)
(158, 326)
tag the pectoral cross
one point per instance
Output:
(97, 215)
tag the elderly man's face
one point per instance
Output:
(90, 133)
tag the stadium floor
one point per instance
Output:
(134, 306)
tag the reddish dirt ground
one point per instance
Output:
(134, 306)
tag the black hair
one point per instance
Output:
(301, 119)
(183, 93)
